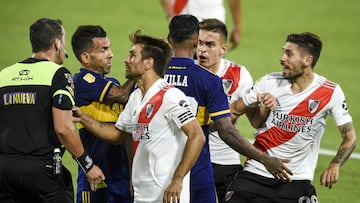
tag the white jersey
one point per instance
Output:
(155, 121)
(202, 9)
(294, 128)
(235, 79)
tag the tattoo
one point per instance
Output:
(347, 146)
(101, 125)
(346, 128)
(87, 122)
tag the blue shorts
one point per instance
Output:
(116, 191)
(252, 188)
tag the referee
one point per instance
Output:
(36, 100)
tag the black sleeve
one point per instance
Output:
(63, 90)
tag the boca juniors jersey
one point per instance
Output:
(91, 90)
(294, 128)
(206, 94)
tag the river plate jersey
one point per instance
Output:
(207, 97)
(200, 8)
(91, 90)
(235, 79)
(155, 120)
(28, 91)
(293, 129)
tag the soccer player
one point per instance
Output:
(209, 101)
(235, 78)
(207, 9)
(35, 119)
(102, 98)
(294, 127)
(159, 116)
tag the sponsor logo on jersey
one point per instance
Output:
(141, 132)
(23, 75)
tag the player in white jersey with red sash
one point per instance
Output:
(235, 78)
(203, 9)
(159, 116)
(294, 127)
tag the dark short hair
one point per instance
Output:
(214, 25)
(82, 39)
(43, 32)
(183, 27)
(157, 49)
(308, 42)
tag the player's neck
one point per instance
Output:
(301, 83)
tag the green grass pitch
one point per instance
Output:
(265, 25)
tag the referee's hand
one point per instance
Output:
(95, 176)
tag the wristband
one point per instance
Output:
(85, 162)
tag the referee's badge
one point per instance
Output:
(149, 110)
(313, 105)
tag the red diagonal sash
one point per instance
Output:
(179, 6)
(150, 109)
(276, 136)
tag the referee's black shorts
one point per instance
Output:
(252, 188)
(24, 179)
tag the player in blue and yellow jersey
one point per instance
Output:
(102, 98)
(206, 92)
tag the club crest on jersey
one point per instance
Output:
(227, 84)
(149, 110)
(313, 105)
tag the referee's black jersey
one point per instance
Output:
(28, 91)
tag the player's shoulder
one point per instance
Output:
(323, 81)
(231, 64)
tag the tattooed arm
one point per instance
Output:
(106, 131)
(120, 94)
(331, 175)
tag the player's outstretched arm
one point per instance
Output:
(239, 143)
(331, 175)
(106, 131)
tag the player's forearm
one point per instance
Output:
(167, 7)
(193, 147)
(191, 153)
(237, 109)
(348, 144)
(120, 94)
(106, 131)
(240, 144)
(71, 141)
(235, 13)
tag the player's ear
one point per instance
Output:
(224, 49)
(308, 59)
(57, 43)
(149, 63)
(85, 57)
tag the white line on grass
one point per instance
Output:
(333, 153)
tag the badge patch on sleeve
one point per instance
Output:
(89, 78)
